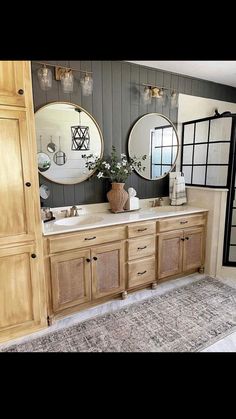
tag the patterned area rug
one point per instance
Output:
(187, 319)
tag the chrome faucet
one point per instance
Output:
(74, 211)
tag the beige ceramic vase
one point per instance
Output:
(117, 197)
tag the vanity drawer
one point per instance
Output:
(85, 238)
(138, 230)
(181, 222)
(141, 248)
(141, 272)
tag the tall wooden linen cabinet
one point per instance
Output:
(22, 288)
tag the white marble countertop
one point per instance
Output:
(105, 218)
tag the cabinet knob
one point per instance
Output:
(21, 91)
(182, 240)
(33, 256)
(28, 184)
(186, 238)
(88, 260)
(95, 258)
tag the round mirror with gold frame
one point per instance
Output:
(74, 134)
(155, 136)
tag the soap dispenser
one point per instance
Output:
(133, 202)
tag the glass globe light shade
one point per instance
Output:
(87, 85)
(67, 81)
(147, 95)
(45, 78)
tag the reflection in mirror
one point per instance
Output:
(44, 192)
(154, 135)
(44, 162)
(51, 147)
(73, 134)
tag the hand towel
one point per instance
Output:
(177, 189)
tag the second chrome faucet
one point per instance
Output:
(72, 212)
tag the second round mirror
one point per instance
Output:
(154, 135)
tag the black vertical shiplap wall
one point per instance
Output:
(116, 104)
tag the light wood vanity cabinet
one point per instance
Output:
(89, 267)
(22, 287)
(141, 254)
(181, 251)
(79, 273)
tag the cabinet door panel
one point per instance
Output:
(71, 279)
(11, 82)
(18, 283)
(193, 249)
(107, 269)
(170, 251)
(17, 213)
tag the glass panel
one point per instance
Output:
(188, 133)
(166, 155)
(187, 173)
(200, 152)
(201, 134)
(218, 153)
(156, 138)
(233, 235)
(217, 175)
(199, 175)
(188, 154)
(220, 129)
(167, 136)
(165, 169)
(156, 156)
(234, 218)
(232, 254)
(156, 171)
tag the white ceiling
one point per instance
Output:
(223, 72)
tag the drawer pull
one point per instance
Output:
(183, 222)
(142, 248)
(142, 229)
(141, 273)
(90, 238)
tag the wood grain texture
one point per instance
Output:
(141, 247)
(193, 253)
(170, 254)
(141, 272)
(12, 80)
(116, 104)
(181, 222)
(107, 269)
(141, 229)
(70, 279)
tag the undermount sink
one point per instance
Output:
(80, 220)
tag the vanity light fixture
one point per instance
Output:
(66, 76)
(80, 136)
(158, 93)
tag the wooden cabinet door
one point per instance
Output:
(12, 89)
(170, 254)
(17, 211)
(71, 279)
(107, 269)
(19, 290)
(193, 252)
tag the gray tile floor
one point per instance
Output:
(227, 344)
